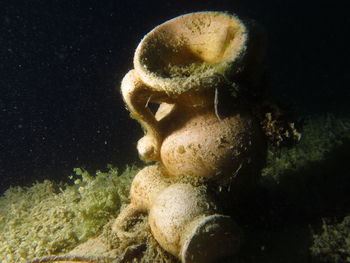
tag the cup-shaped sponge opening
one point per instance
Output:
(189, 51)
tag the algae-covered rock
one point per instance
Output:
(305, 185)
(54, 218)
(51, 218)
(333, 244)
(321, 135)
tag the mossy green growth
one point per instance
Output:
(199, 68)
(320, 135)
(333, 244)
(311, 179)
(52, 218)
(186, 70)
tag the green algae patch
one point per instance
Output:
(320, 136)
(52, 218)
(302, 185)
(333, 244)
